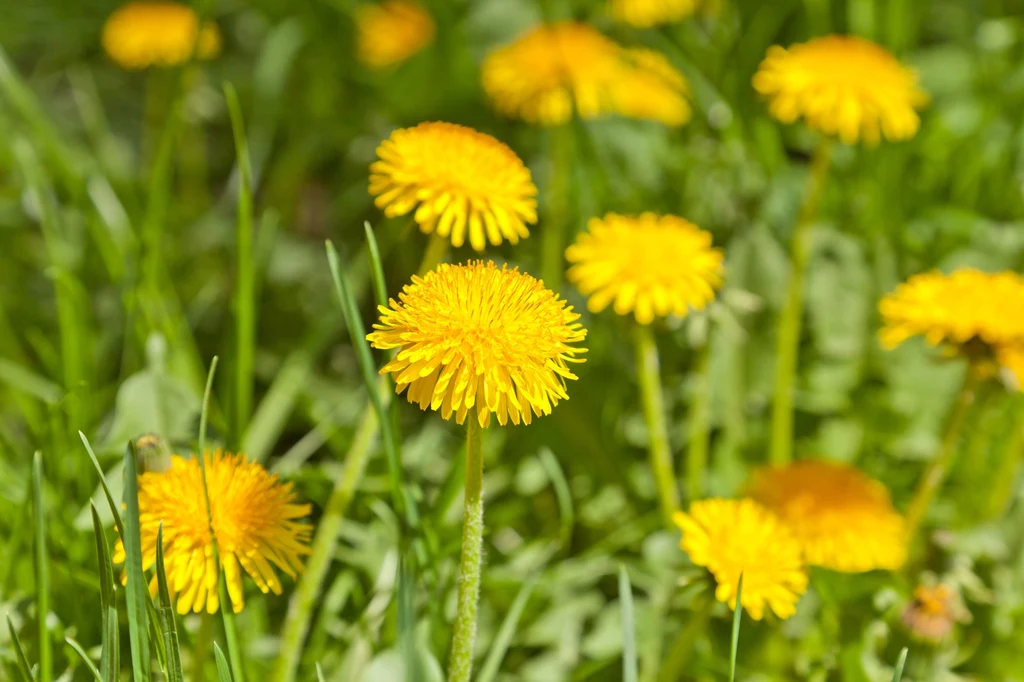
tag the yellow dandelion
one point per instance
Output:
(254, 518)
(649, 265)
(647, 13)
(844, 520)
(844, 86)
(974, 313)
(734, 537)
(143, 34)
(553, 72)
(459, 181)
(1012, 358)
(392, 31)
(475, 337)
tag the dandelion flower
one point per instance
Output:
(930, 617)
(734, 537)
(392, 31)
(143, 34)
(977, 314)
(842, 86)
(254, 519)
(459, 181)
(554, 71)
(1012, 358)
(475, 337)
(647, 13)
(843, 519)
(649, 265)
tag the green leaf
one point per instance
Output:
(737, 617)
(319, 673)
(166, 614)
(85, 658)
(407, 621)
(23, 666)
(897, 674)
(380, 286)
(110, 663)
(42, 571)
(223, 670)
(138, 617)
(502, 640)
(629, 661)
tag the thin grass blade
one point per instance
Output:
(23, 667)
(138, 616)
(901, 662)
(319, 674)
(85, 658)
(630, 668)
(42, 571)
(502, 640)
(737, 617)
(380, 287)
(165, 612)
(223, 670)
(407, 620)
(115, 509)
(110, 662)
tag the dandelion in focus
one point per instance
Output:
(647, 13)
(934, 611)
(392, 31)
(554, 72)
(740, 537)
(842, 86)
(844, 520)
(459, 181)
(647, 265)
(255, 518)
(144, 34)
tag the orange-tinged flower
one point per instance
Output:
(933, 612)
(458, 180)
(843, 86)
(647, 13)
(843, 519)
(478, 338)
(156, 33)
(392, 31)
(254, 516)
(649, 265)
(740, 537)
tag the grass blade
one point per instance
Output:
(23, 666)
(42, 571)
(114, 508)
(563, 495)
(407, 620)
(223, 671)
(502, 640)
(737, 617)
(110, 663)
(138, 616)
(380, 287)
(629, 661)
(85, 658)
(319, 673)
(245, 299)
(897, 674)
(166, 614)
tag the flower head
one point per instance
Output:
(843, 519)
(977, 314)
(554, 71)
(392, 31)
(459, 181)
(254, 519)
(934, 611)
(647, 13)
(649, 265)
(842, 86)
(475, 337)
(734, 537)
(156, 33)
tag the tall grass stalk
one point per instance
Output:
(737, 618)
(649, 373)
(555, 227)
(788, 341)
(42, 572)
(460, 666)
(700, 427)
(629, 659)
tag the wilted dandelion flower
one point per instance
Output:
(649, 265)
(475, 337)
(734, 537)
(977, 314)
(392, 31)
(143, 34)
(933, 612)
(554, 71)
(843, 519)
(844, 86)
(458, 180)
(647, 13)
(255, 518)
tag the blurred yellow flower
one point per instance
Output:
(843, 86)
(143, 34)
(392, 31)
(459, 181)
(844, 520)
(649, 265)
(647, 13)
(734, 537)
(477, 337)
(975, 313)
(553, 72)
(254, 518)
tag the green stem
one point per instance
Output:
(700, 428)
(553, 237)
(788, 343)
(679, 654)
(437, 249)
(45, 673)
(938, 468)
(1005, 481)
(654, 414)
(460, 665)
(304, 601)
